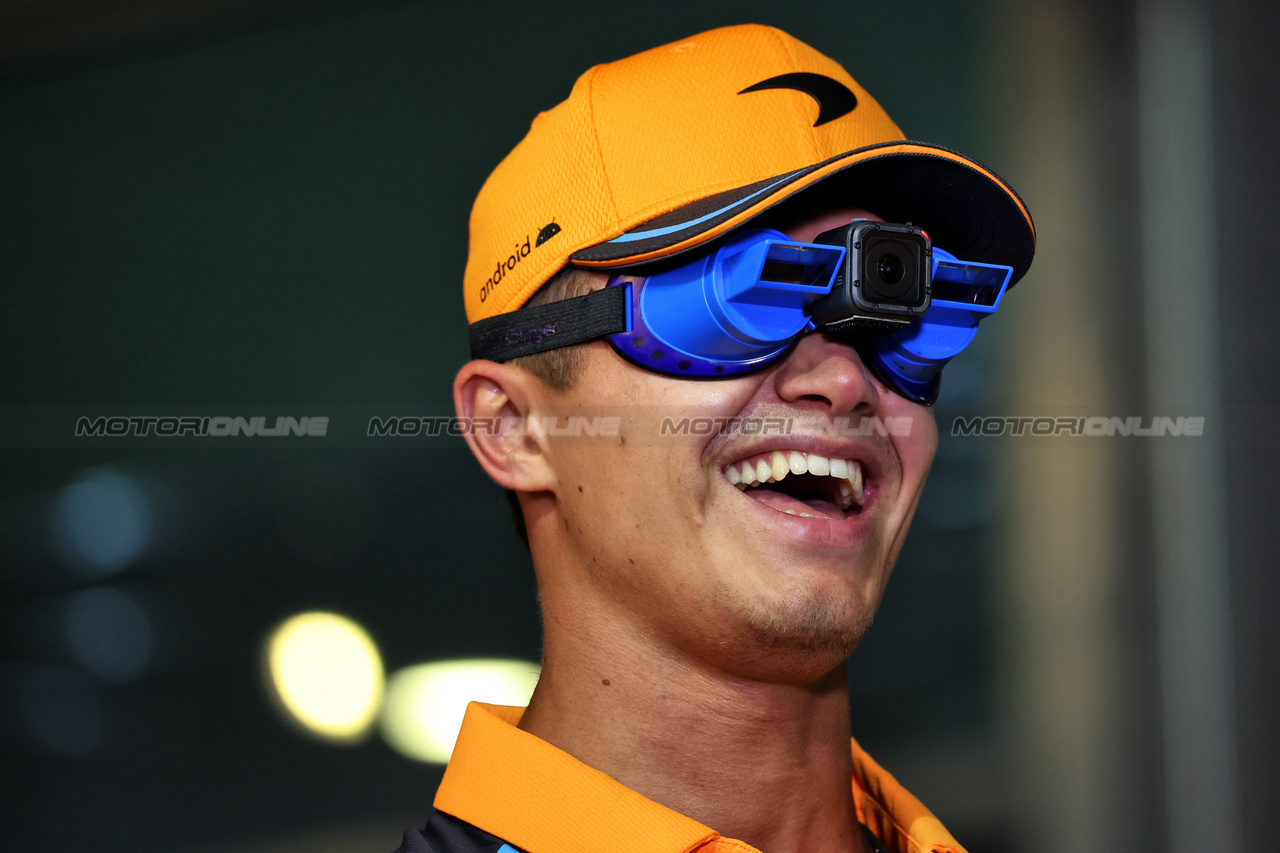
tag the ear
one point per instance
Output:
(494, 401)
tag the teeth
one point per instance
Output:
(802, 514)
(779, 464)
(855, 478)
(776, 465)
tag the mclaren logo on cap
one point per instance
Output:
(833, 97)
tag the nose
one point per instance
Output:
(829, 373)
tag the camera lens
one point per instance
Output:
(890, 269)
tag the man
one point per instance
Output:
(702, 588)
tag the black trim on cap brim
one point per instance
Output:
(963, 210)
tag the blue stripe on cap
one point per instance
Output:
(507, 848)
(632, 236)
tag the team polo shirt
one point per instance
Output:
(507, 791)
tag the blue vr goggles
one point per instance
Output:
(906, 305)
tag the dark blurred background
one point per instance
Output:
(259, 208)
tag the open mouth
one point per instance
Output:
(800, 483)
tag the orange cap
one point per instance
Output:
(665, 150)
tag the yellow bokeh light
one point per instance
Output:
(327, 673)
(425, 703)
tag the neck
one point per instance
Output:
(763, 762)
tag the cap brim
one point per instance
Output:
(965, 207)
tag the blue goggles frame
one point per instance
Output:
(744, 306)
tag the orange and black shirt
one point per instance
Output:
(507, 791)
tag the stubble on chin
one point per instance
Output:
(800, 637)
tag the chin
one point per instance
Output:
(801, 640)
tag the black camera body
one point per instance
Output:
(885, 282)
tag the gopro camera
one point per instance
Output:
(885, 282)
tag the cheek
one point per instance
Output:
(633, 527)
(625, 497)
(916, 448)
(924, 439)
(649, 488)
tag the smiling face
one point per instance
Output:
(676, 535)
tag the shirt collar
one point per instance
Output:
(523, 790)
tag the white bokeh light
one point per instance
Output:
(327, 674)
(425, 704)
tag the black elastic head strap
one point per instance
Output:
(546, 327)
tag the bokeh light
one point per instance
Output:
(109, 633)
(425, 703)
(327, 674)
(103, 522)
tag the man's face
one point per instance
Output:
(726, 575)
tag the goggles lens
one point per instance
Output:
(729, 312)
